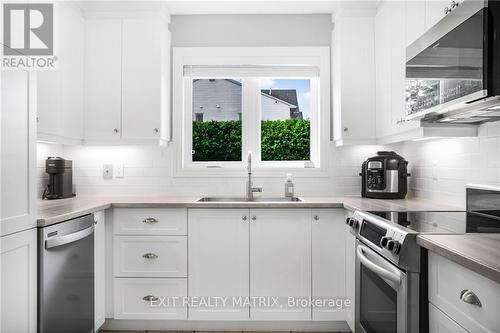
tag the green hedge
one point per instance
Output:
(281, 140)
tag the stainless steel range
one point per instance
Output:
(391, 269)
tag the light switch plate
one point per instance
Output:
(119, 170)
(107, 171)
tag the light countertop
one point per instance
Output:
(477, 252)
(54, 211)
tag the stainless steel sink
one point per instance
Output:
(255, 199)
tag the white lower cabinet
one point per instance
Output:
(280, 262)
(150, 298)
(150, 256)
(218, 261)
(468, 298)
(18, 280)
(441, 323)
(350, 270)
(328, 259)
(99, 271)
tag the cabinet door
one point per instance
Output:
(328, 262)
(383, 77)
(18, 159)
(141, 83)
(99, 271)
(350, 270)
(441, 323)
(72, 38)
(18, 278)
(280, 262)
(415, 20)
(218, 260)
(434, 11)
(103, 79)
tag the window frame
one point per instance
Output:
(251, 121)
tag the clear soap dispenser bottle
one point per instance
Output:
(289, 186)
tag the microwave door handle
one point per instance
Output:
(391, 276)
(66, 239)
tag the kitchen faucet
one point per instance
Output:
(250, 188)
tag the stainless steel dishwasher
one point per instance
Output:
(66, 276)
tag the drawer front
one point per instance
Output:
(441, 323)
(149, 299)
(150, 256)
(448, 280)
(150, 221)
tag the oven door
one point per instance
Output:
(382, 304)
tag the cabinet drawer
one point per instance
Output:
(150, 256)
(441, 323)
(131, 298)
(150, 221)
(447, 280)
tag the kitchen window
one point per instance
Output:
(230, 103)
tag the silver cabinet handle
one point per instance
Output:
(244, 218)
(316, 218)
(156, 130)
(150, 298)
(254, 218)
(150, 256)
(150, 220)
(447, 10)
(469, 297)
(453, 5)
(116, 130)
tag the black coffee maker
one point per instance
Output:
(60, 183)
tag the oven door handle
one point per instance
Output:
(393, 276)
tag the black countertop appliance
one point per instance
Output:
(384, 176)
(60, 184)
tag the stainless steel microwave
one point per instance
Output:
(453, 69)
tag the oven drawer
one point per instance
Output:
(448, 280)
(142, 298)
(150, 221)
(150, 256)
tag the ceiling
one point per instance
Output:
(209, 7)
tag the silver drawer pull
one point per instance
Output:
(150, 256)
(150, 298)
(150, 220)
(469, 297)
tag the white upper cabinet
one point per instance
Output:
(126, 90)
(103, 79)
(435, 11)
(414, 18)
(141, 78)
(353, 80)
(60, 91)
(280, 261)
(18, 162)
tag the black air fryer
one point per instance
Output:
(60, 183)
(384, 176)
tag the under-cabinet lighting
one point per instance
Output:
(425, 139)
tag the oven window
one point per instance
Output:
(378, 304)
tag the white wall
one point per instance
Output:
(251, 30)
(150, 170)
(441, 168)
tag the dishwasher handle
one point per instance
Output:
(70, 238)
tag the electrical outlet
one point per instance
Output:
(119, 170)
(107, 171)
